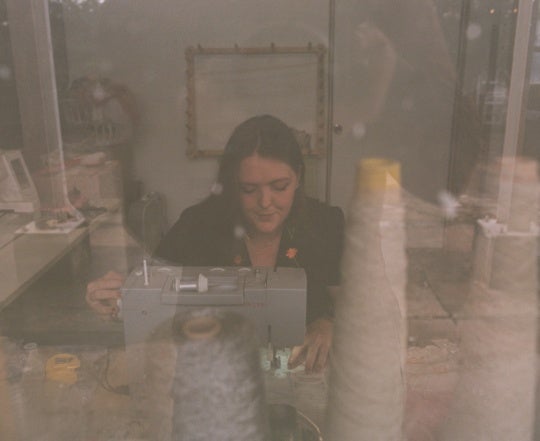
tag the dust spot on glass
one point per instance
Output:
(359, 130)
(448, 203)
(5, 73)
(99, 93)
(216, 189)
(239, 231)
(474, 31)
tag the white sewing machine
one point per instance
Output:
(273, 299)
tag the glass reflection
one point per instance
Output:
(420, 83)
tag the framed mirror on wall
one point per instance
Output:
(225, 86)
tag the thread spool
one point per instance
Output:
(494, 398)
(209, 381)
(218, 390)
(377, 175)
(201, 328)
(199, 285)
(367, 381)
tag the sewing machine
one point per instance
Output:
(273, 299)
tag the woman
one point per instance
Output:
(259, 215)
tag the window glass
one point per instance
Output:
(156, 282)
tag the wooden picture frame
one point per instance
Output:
(226, 86)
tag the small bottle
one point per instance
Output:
(34, 368)
(32, 388)
(12, 403)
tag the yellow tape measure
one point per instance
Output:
(62, 368)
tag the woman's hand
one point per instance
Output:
(314, 352)
(102, 294)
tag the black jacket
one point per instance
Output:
(312, 239)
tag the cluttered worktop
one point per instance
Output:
(24, 257)
(51, 320)
(96, 406)
(81, 392)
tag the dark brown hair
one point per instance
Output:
(268, 137)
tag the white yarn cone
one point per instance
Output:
(494, 399)
(367, 377)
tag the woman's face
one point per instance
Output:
(266, 188)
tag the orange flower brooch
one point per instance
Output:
(291, 253)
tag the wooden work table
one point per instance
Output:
(28, 256)
(43, 279)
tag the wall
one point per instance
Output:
(141, 44)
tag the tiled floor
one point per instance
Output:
(437, 287)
